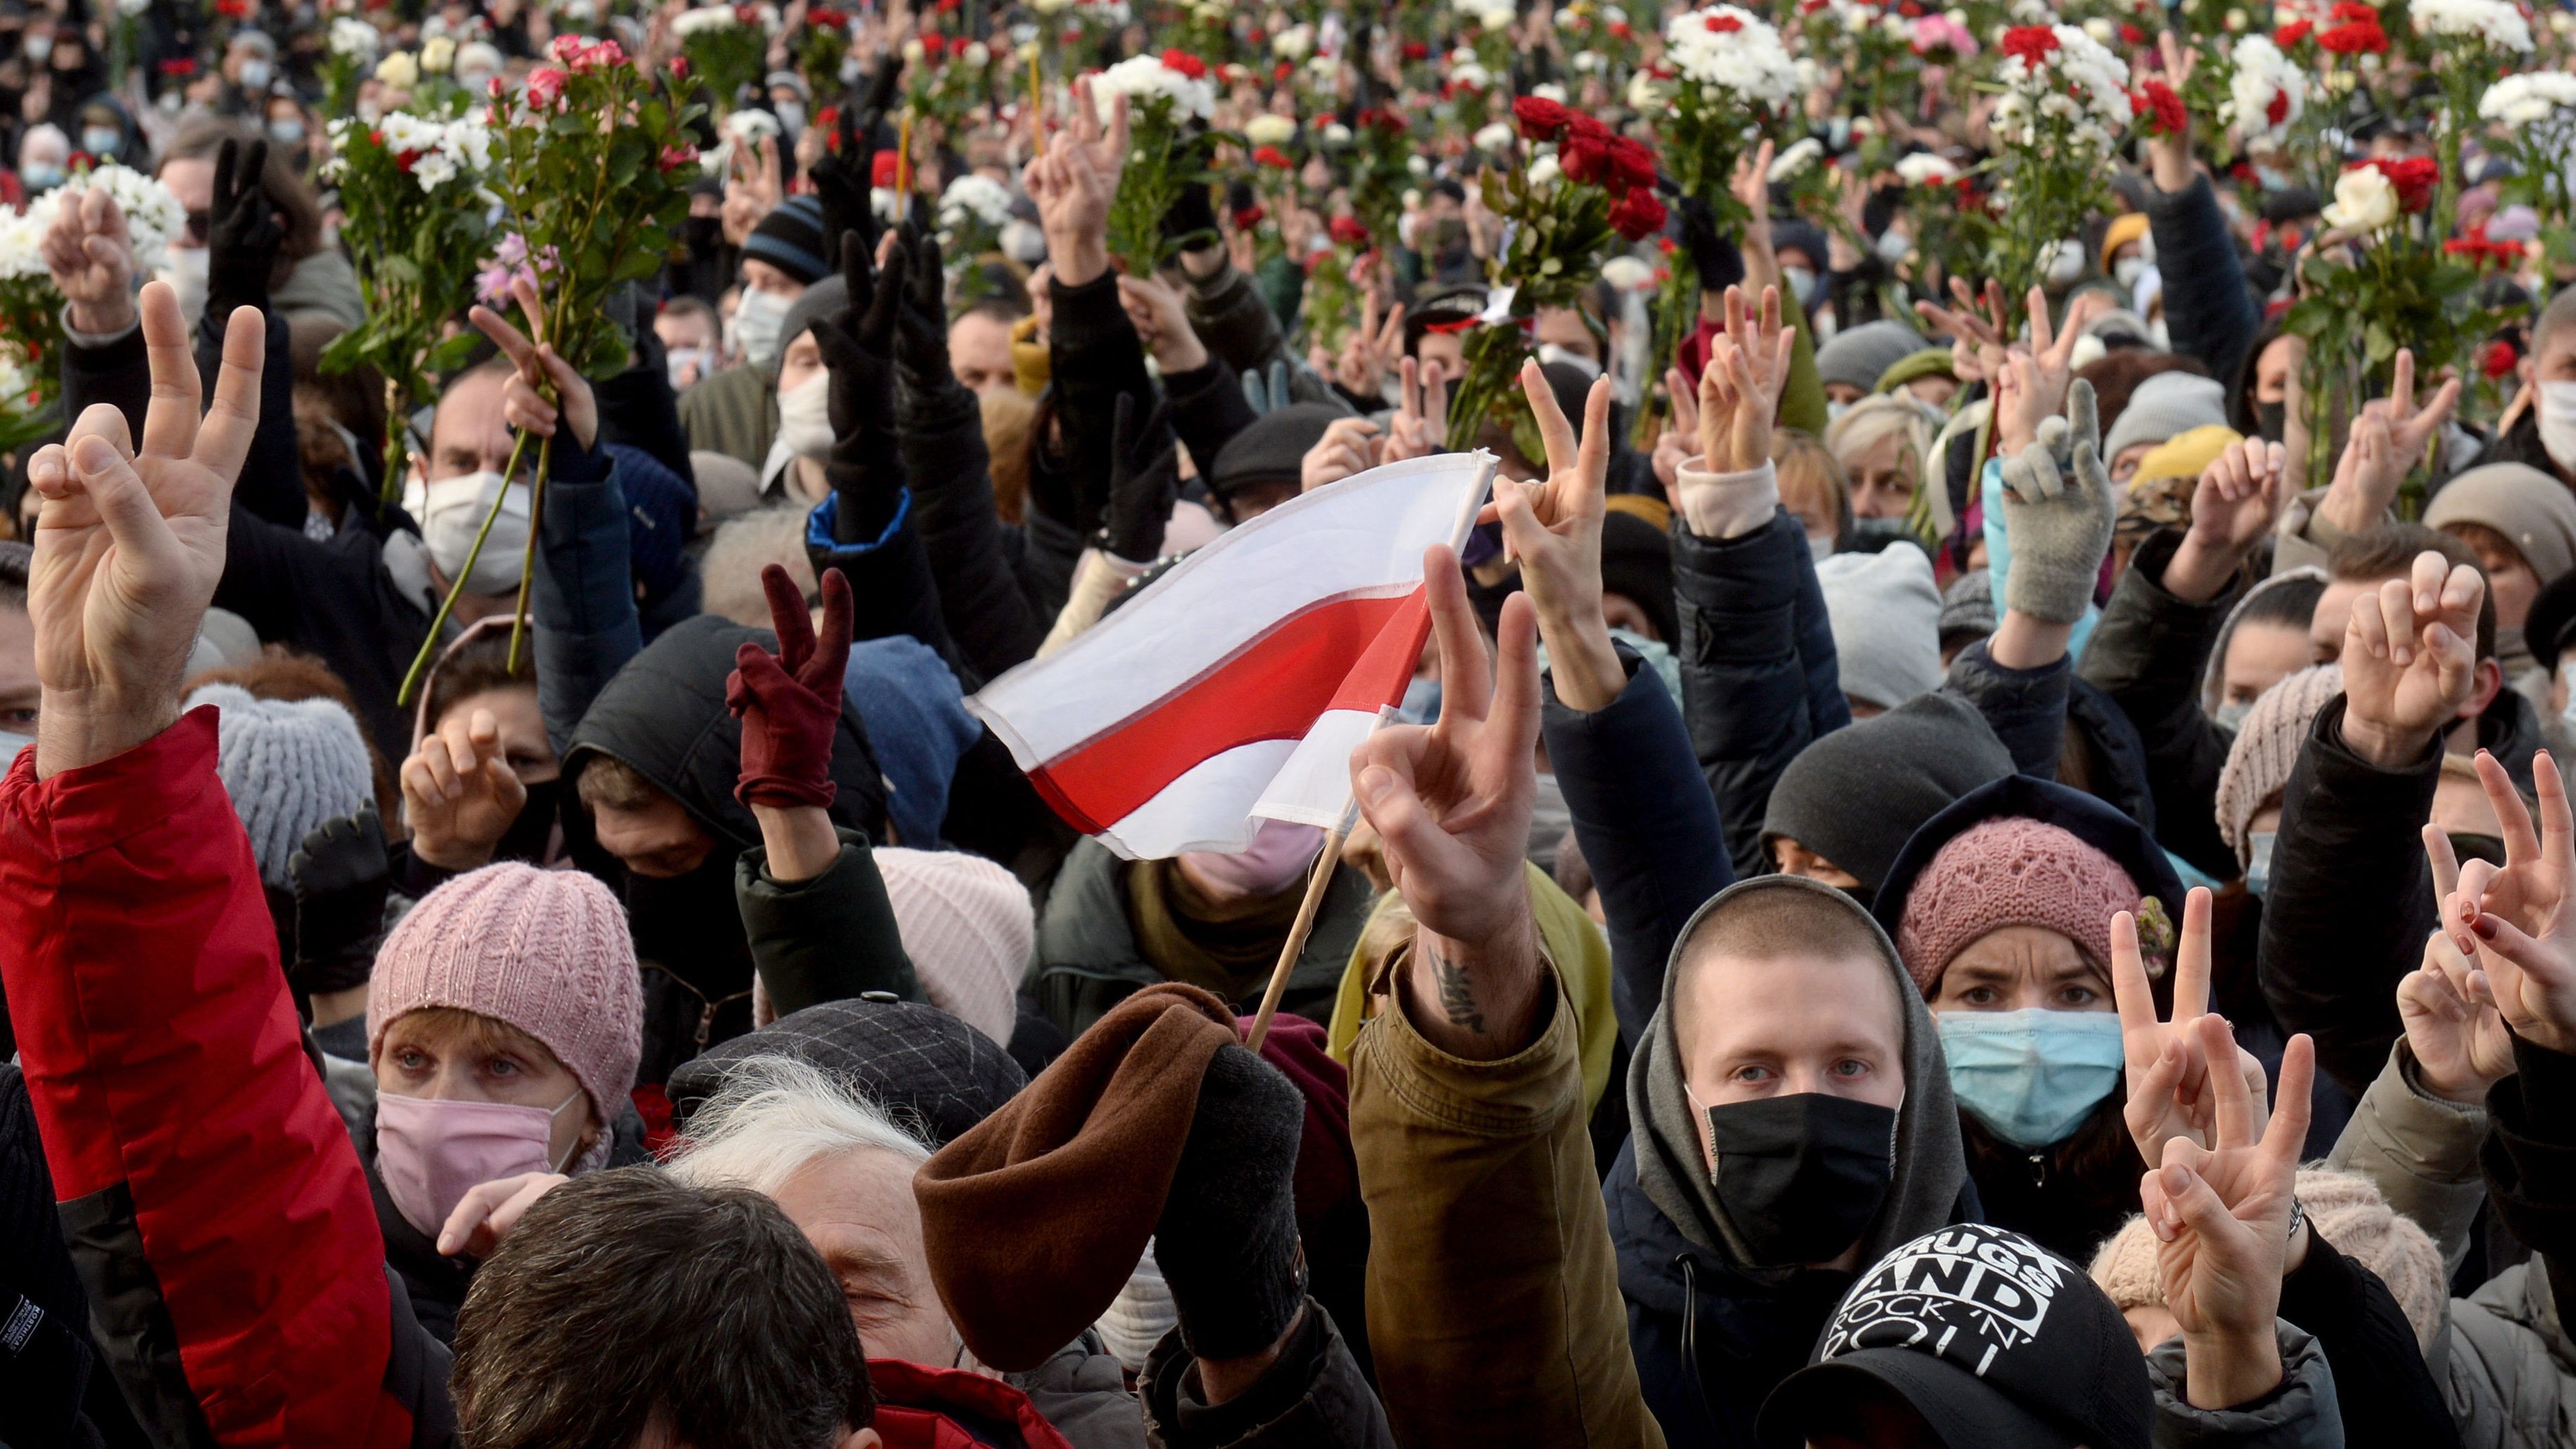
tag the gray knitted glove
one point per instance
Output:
(2059, 506)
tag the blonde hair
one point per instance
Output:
(1010, 421)
(1873, 420)
(1811, 477)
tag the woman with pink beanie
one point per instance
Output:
(2001, 909)
(503, 1025)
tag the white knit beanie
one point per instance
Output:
(2267, 745)
(289, 765)
(1886, 617)
(968, 926)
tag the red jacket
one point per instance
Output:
(203, 1174)
(917, 1407)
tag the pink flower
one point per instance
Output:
(494, 88)
(675, 157)
(568, 49)
(545, 87)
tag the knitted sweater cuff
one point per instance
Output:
(1726, 505)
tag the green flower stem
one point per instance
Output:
(447, 606)
(528, 564)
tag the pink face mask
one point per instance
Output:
(431, 1153)
(1279, 855)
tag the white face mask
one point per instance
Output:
(689, 366)
(2127, 270)
(756, 323)
(1802, 282)
(1554, 352)
(39, 48)
(805, 417)
(791, 116)
(451, 513)
(2558, 422)
(101, 141)
(254, 75)
(186, 275)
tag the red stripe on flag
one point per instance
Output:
(1343, 653)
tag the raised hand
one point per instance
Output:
(2168, 1077)
(2410, 660)
(921, 316)
(2221, 1216)
(2239, 497)
(1751, 186)
(1144, 482)
(1679, 442)
(1739, 390)
(91, 255)
(841, 175)
(541, 370)
(2059, 503)
(459, 793)
(2516, 918)
(752, 191)
(1163, 323)
(790, 702)
(242, 231)
(339, 876)
(129, 545)
(2031, 387)
(1452, 803)
(858, 342)
(1420, 426)
(1554, 529)
(1375, 346)
(2458, 1037)
(1978, 339)
(1100, 133)
(1072, 194)
(2169, 156)
(1349, 446)
(2386, 443)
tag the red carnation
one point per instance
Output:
(1638, 215)
(2161, 110)
(1725, 24)
(2415, 177)
(1282, 71)
(2292, 33)
(2499, 360)
(2279, 109)
(1273, 156)
(1909, 9)
(1620, 29)
(1186, 63)
(881, 170)
(2131, 35)
(1416, 50)
(2357, 31)
(1348, 231)
(933, 45)
(1540, 119)
(2031, 42)
(832, 19)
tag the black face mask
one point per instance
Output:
(2270, 418)
(689, 926)
(701, 233)
(534, 829)
(1801, 1176)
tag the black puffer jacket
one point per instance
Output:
(664, 715)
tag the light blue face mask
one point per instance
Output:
(10, 744)
(2231, 715)
(2031, 1076)
(2258, 862)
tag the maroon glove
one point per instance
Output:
(790, 702)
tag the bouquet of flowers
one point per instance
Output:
(2532, 117)
(2474, 39)
(1583, 194)
(1726, 78)
(351, 53)
(726, 45)
(972, 212)
(946, 80)
(2064, 107)
(591, 165)
(1605, 41)
(1953, 229)
(1169, 101)
(30, 326)
(2267, 93)
(1376, 150)
(821, 47)
(416, 206)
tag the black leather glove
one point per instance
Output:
(1719, 264)
(339, 877)
(1227, 1240)
(1144, 482)
(841, 176)
(242, 232)
(857, 343)
(921, 317)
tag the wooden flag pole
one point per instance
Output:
(1327, 861)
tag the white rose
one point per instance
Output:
(1269, 130)
(1544, 171)
(2365, 200)
(1337, 134)
(1499, 17)
(399, 70)
(1293, 43)
(1628, 274)
(437, 54)
(913, 51)
(977, 55)
(1549, 91)
(1495, 139)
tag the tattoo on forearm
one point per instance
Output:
(1457, 994)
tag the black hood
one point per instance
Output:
(664, 715)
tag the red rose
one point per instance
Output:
(1348, 231)
(1585, 156)
(830, 19)
(881, 169)
(1728, 24)
(1282, 71)
(2131, 35)
(1186, 63)
(1620, 29)
(2499, 360)
(674, 157)
(2292, 33)
(1638, 215)
(2279, 108)
(2415, 177)
(1631, 164)
(2031, 42)
(2161, 110)
(1416, 50)
(1583, 125)
(1540, 119)
(1273, 156)
(1910, 10)
(679, 67)
(1248, 218)
(933, 45)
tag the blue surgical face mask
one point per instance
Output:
(40, 176)
(101, 141)
(1421, 700)
(2231, 715)
(11, 743)
(2031, 1077)
(2258, 862)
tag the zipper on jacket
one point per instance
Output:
(2038, 1166)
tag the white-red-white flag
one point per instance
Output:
(1234, 688)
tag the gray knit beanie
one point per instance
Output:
(1855, 795)
(289, 765)
(2162, 406)
(1886, 616)
(1859, 355)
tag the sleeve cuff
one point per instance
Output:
(97, 806)
(1726, 505)
(93, 340)
(819, 524)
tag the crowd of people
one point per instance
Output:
(1957, 869)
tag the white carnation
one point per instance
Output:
(354, 39)
(1923, 168)
(2523, 100)
(1742, 55)
(2262, 74)
(1796, 159)
(1144, 78)
(152, 215)
(705, 18)
(2495, 22)
(1267, 129)
(974, 198)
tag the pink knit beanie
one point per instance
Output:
(545, 951)
(2267, 746)
(2011, 872)
(968, 926)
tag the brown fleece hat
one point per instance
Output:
(1036, 1216)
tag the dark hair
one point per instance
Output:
(15, 558)
(2292, 602)
(1005, 309)
(478, 666)
(688, 306)
(297, 210)
(626, 1300)
(2388, 552)
(2241, 414)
